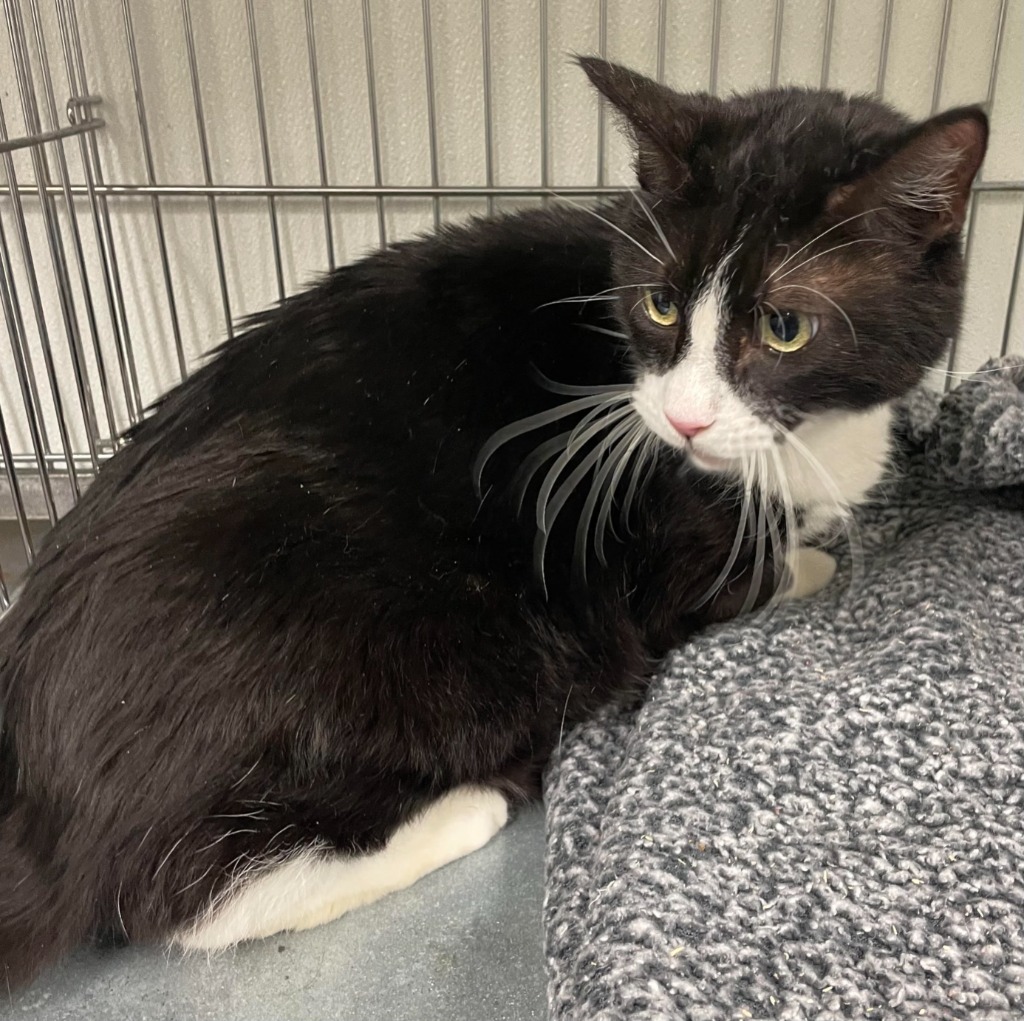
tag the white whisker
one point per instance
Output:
(777, 541)
(654, 223)
(607, 222)
(835, 248)
(604, 518)
(722, 578)
(528, 424)
(829, 230)
(759, 541)
(997, 370)
(589, 427)
(789, 517)
(532, 464)
(613, 444)
(605, 295)
(548, 506)
(843, 513)
(601, 329)
(574, 389)
(648, 455)
(582, 300)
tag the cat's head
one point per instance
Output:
(795, 257)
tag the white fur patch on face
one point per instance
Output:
(694, 390)
(825, 466)
(316, 886)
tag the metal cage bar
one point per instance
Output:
(371, 93)
(85, 395)
(158, 219)
(204, 156)
(261, 118)
(71, 44)
(487, 74)
(318, 123)
(980, 185)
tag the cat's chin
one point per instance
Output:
(707, 463)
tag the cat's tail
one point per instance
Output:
(44, 913)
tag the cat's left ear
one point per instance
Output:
(925, 186)
(663, 122)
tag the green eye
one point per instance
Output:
(660, 308)
(786, 331)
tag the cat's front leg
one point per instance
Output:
(808, 571)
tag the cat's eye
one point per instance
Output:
(660, 308)
(786, 331)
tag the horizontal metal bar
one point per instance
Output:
(56, 464)
(27, 141)
(34, 497)
(356, 191)
(256, 191)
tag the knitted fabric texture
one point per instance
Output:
(819, 814)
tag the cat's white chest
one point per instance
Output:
(837, 459)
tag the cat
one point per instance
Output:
(319, 623)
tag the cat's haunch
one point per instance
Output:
(324, 616)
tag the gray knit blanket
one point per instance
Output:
(820, 814)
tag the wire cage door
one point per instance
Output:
(169, 166)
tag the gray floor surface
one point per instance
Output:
(463, 944)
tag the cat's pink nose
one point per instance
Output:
(685, 427)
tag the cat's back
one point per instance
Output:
(325, 451)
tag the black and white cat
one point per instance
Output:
(322, 619)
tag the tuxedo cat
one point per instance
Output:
(322, 619)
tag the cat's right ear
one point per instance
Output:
(923, 189)
(663, 122)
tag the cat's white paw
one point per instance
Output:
(809, 571)
(315, 887)
(458, 823)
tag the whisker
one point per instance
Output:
(524, 425)
(652, 462)
(789, 518)
(737, 543)
(598, 216)
(582, 300)
(777, 546)
(654, 223)
(598, 296)
(584, 431)
(996, 370)
(843, 513)
(643, 466)
(612, 444)
(576, 442)
(845, 244)
(759, 542)
(550, 506)
(537, 458)
(825, 297)
(604, 517)
(638, 302)
(601, 329)
(835, 226)
(574, 389)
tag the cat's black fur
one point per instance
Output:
(281, 614)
